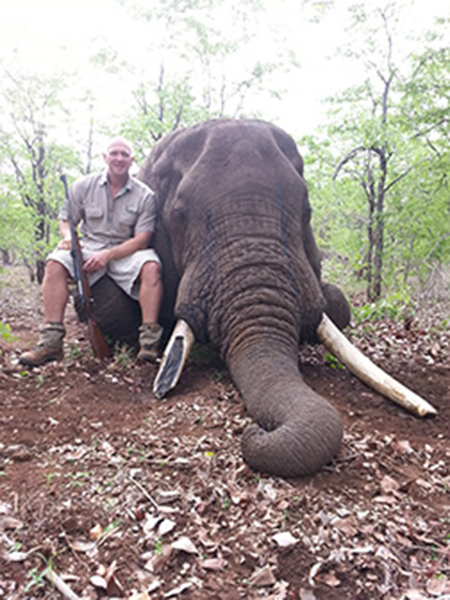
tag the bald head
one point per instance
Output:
(120, 143)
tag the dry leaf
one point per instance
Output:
(167, 497)
(82, 546)
(306, 594)
(438, 586)
(76, 454)
(346, 526)
(99, 582)
(389, 485)
(313, 572)
(178, 590)
(17, 556)
(385, 500)
(184, 544)
(285, 539)
(263, 577)
(96, 532)
(404, 447)
(166, 526)
(150, 524)
(4, 508)
(435, 349)
(415, 595)
(10, 523)
(213, 564)
(105, 578)
(108, 449)
(159, 560)
(424, 484)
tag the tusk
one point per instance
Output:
(174, 357)
(367, 371)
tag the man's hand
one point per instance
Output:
(64, 244)
(97, 261)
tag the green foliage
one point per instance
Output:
(79, 478)
(158, 549)
(5, 332)
(209, 79)
(333, 362)
(74, 351)
(123, 357)
(36, 579)
(380, 190)
(394, 306)
(31, 160)
(160, 108)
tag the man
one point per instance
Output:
(117, 215)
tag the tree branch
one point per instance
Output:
(348, 157)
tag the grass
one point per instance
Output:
(332, 361)
(123, 357)
(36, 578)
(79, 479)
(5, 332)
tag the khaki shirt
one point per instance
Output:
(108, 221)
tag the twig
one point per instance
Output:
(144, 491)
(60, 585)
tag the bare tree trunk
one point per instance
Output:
(379, 227)
(40, 270)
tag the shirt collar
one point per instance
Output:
(104, 181)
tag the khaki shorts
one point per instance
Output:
(124, 271)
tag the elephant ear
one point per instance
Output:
(170, 159)
(336, 305)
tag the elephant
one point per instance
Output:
(242, 272)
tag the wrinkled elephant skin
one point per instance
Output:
(243, 270)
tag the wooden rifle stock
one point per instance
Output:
(84, 300)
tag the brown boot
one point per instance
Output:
(149, 339)
(49, 346)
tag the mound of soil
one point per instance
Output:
(106, 491)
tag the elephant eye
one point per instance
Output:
(179, 214)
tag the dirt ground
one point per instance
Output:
(117, 494)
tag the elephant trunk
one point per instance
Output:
(296, 431)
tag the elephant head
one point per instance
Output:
(242, 272)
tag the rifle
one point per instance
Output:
(83, 300)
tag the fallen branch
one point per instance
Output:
(144, 491)
(60, 584)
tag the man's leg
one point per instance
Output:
(150, 297)
(150, 292)
(55, 296)
(55, 291)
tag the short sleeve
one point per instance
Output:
(146, 221)
(75, 198)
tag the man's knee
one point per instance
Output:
(54, 271)
(151, 273)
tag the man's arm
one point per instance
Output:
(65, 243)
(100, 259)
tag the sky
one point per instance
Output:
(53, 35)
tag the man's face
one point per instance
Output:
(119, 159)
